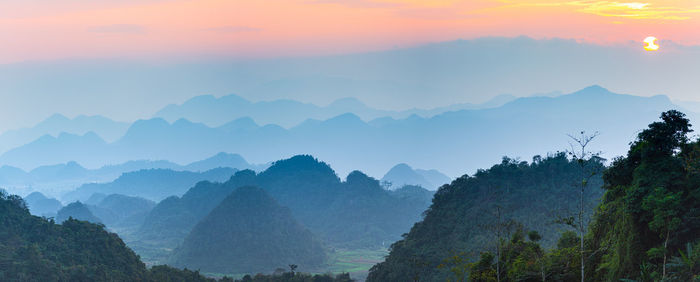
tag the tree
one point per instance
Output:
(650, 207)
(535, 237)
(583, 157)
(665, 206)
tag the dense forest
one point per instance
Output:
(76, 210)
(516, 221)
(328, 207)
(248, 232)
(465, 216)
(646, 227)
(37, 249)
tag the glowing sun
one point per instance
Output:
(650, 44)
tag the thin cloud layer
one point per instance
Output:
(282, 28)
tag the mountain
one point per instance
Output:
(434, 177)
(76, 210)
(219, 160)
(59, 149)
(152, 184)
(72, 251)
(402, 174)
(314, 194)
(248, 232)
(417, 194)
(56, 124)
(58, 178)
(40, 205)
(219, 111)
(120, 211)
(451, 142)
(466, 215)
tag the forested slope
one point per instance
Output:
(464, 215)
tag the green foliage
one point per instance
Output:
(357, 213)
(463, 217)
(249, 232)
(296, 277)
(458, 265)
(650, 207)
(520, 260)
(37, 249)
(686, 266)
(76, 210)
(484, 269)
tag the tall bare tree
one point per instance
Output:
(582, 155)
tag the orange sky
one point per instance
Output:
(33, 30)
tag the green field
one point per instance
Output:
(355, 262)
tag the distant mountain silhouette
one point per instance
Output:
(219, 111)
(60, 149)
(120, 211)
(68, 176)
(152, 184)
(451, 142)
(40, 205)
(56, 124)
(248, 232)
(76, 210)
(402, 174)
(219, 160)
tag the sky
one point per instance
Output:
(127, 59)
(34, 30)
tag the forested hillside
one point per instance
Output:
(36, 249)
(249, 232)
(357, 213)
(465, 216)
(648, 224)
(76, 210)
(646, 228)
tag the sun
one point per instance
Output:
(650, 44)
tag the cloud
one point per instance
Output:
(635, 10)
(628, 10)
(118, 28)
(361, 3)
(234, 29)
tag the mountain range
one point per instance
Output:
(152, 184)
(217, 111)
(317, 198)
(450, 142)
(56, 124)
(59, 178)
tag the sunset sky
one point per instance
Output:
(36, 30)
(127, 59)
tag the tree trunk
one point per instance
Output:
(498, 245)
(581, 230)
(663, 275)
(544, 277)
